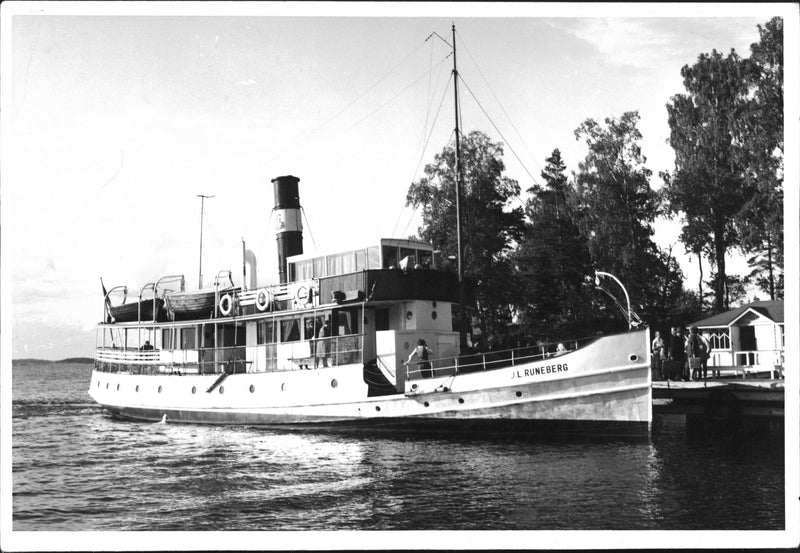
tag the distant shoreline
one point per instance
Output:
(24, 362)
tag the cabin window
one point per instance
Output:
(188, 338)
(208, 336)
(341, 263)
(267, 332)
(347, 321)
(389, 257)
(319, 267)
(167, 338)
(231, 335)
(361, 260)
(309, 328)
(290, 330)
(382, 319)
(409, 253)
(373, 257)
(304, 270)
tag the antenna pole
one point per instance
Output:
(462, 333)
(202, 203)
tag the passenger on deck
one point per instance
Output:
(323, 344)
(146, 346)
(422, 353)
(560, 350)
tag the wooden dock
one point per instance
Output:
(721, 405)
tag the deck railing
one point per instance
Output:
(479, 361)
(333, 351)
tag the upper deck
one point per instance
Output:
(394, 270)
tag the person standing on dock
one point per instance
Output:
(694, 353)
(707, 354)
(677, 354)
(657, 350)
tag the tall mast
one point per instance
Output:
(462, 333)
(202, 200)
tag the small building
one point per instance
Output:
(749, 338)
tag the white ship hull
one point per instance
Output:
(607, 381)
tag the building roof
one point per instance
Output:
(773, 310)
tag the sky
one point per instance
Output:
(116, 116)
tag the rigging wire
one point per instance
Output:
(501, 136)
(424, 148)
(308, 224)
(393, 98)
(414, 212)
(211, 227)
(496, 98)
(348, 106)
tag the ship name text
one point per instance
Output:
(536, 371)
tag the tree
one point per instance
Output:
(761, 130)
(708, 187)
(553, 258)
(616, 209)
(489, 226)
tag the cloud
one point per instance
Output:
(627, 42)
(247, 82)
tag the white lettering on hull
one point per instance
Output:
(538, 371)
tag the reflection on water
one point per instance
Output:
(76, 468)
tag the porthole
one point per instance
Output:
(334, 383)
(461, 400)
(106, 385)
(137, 387)
(252, 388)
(283, 387)
(194, 389)
(519, 394)
(426, 404)
(159, 389)
(98, 383)
(405, 346)
(633, 357)
(222, 389)
(377, 407)
(434, 315)
(118, 387)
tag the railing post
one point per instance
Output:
(456, 365)
(512, 357)
(484, 361)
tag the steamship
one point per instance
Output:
(329, 346)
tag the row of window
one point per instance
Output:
(322, 324)
(375, 257)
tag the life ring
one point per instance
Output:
(301, 295)
(263, 300)
(226, 305)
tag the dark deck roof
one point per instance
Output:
(773, 310)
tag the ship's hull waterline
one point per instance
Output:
(607, 381)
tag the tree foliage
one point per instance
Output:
(708, 186)
(727, 133)
(553, 257)
(761, 130)
(616, 208)
(489, 226)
